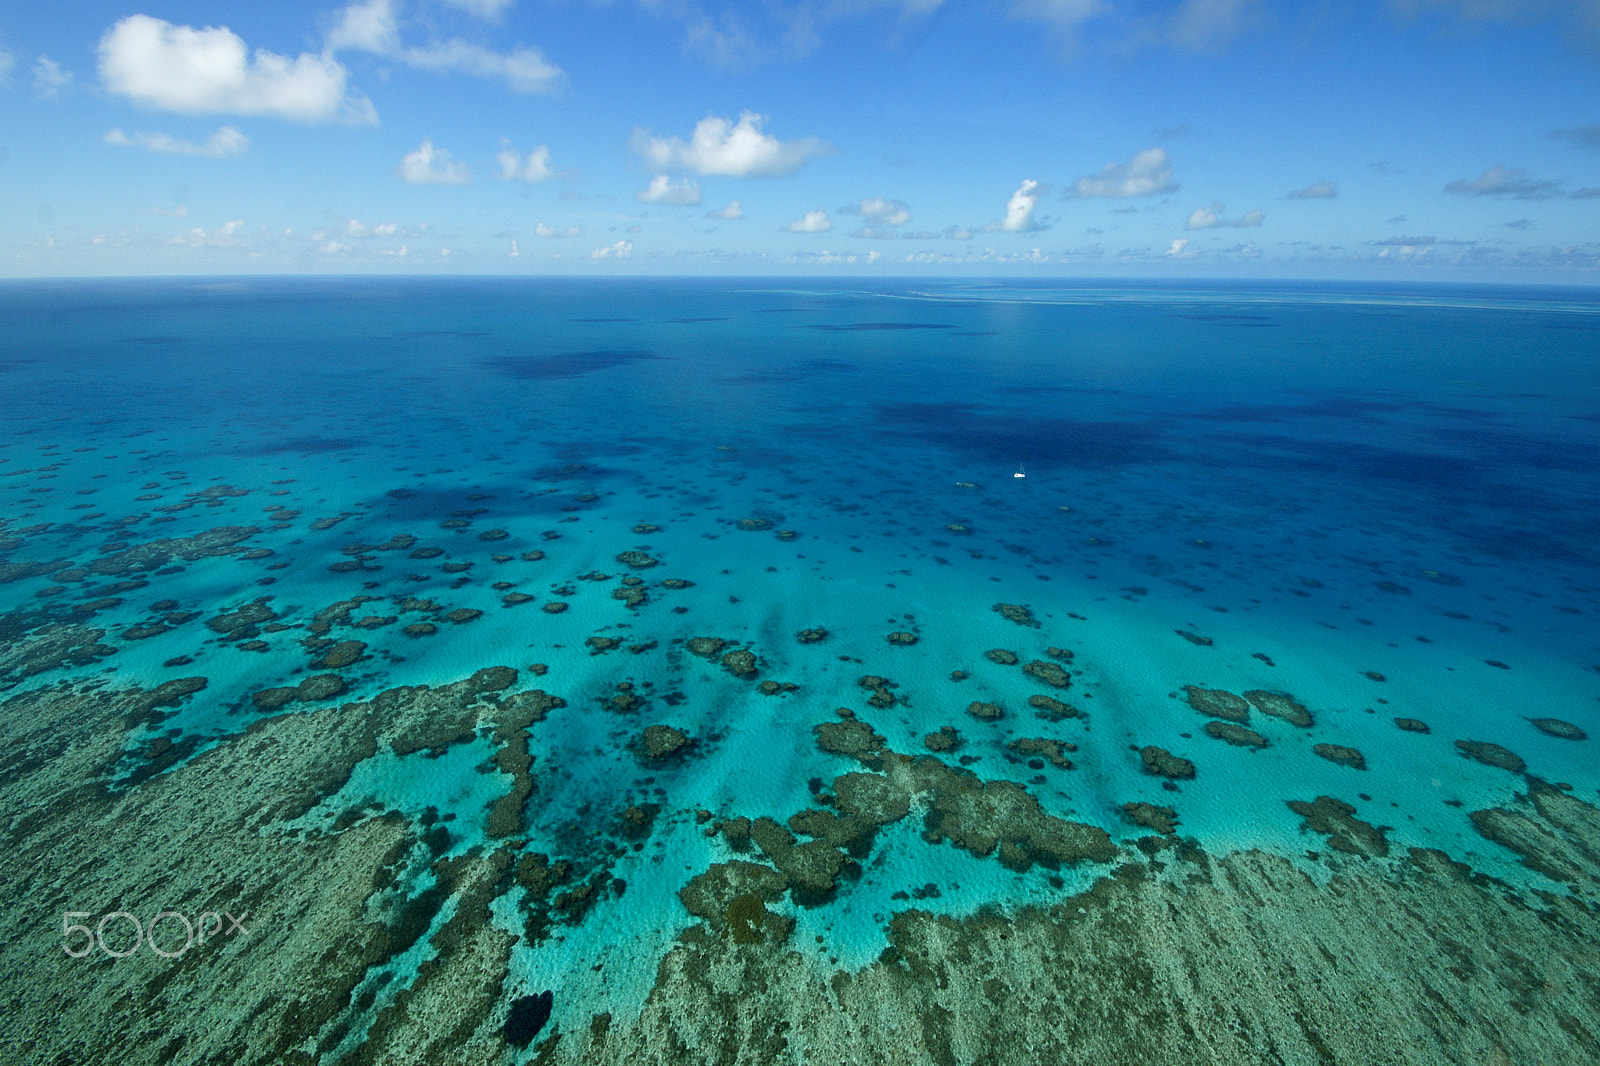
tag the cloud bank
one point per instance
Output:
(722, 148)
(1147, 174)
(180, 68)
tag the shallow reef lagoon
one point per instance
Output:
(379, 655)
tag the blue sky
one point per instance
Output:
(1404, 139)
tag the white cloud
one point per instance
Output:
(199, 237)
(515, 251)
(372, 27)
(8, 60)
(49, 79)
(541, 230)
(489, 10)
(661, 190)
(1513, 182)
(180, 68)
(1019, 209)
(368, 27)
(432, 166)
(876, 209)
(1065, 16)
(1207, 25)
(533, 169)
(1146, 174)
(223, 144)
(811, 222)
(720, 147)
(1211, 217)
(732, 211)
(356, 229)
(181, 211)
(525, 70)
(620, 250)
(1180, 249)
(1317, 190)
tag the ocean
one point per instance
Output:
(780, 670)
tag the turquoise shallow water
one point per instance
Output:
(1381, 501)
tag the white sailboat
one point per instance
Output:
(1021, 471)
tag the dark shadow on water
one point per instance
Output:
(565, 365)
(765, 377)
(1030, 390)
(988, 435)
(868, 327)
(305, 446)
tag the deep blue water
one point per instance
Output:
(1325, 482)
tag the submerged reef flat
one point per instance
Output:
(573, 687)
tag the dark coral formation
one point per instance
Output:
(1016, 612)
(1347, 833)
(1050, 673)
(705, 647)
(1163, 763)
(731, 898)
(663, 742)
(1218, 703)
(1235, 734)
(981, 815)
(1280, 705)
(636, 559)
(1052, 750)
(1001, 656)
(987, 712)
(880, 688)
(1344, 756)
(815, 635)
(340, 655)
(1051, 709)
(850, 737)
(740, 663)
(946, 739)
(1163, 820)
(1560, 838)
(512, 716)
(1555, 727)
(1492, 755)
(902, 638)
(1412, 725)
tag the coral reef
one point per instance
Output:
(1344, 756)
(1051, 709)
(1049, 673)
(1235, 734)
(663, 742)
(1163, 763)
(1492, 755)
(1280, 705)
(1016, 612)
(1347, 833)
(1218, 703)
(1163, 820)
(1555, 727)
